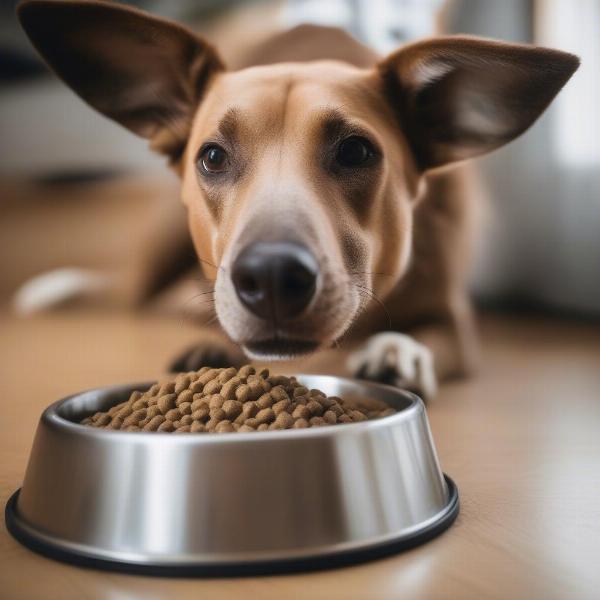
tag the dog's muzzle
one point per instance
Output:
(275, 280)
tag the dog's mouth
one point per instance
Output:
(280, 348)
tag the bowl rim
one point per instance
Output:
(51, 418)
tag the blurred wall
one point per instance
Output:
(541, 243)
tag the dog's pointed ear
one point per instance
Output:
(142, 71)
(459, 97)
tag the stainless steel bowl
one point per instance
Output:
(226, 504)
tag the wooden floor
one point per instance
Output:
(522, 441)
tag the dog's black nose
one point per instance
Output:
(275, 280)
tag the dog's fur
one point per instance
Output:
(393, 231)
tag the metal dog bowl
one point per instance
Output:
(231, 504)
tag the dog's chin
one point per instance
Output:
(279, 348)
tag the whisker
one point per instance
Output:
(374, 296)
(211, 320)
(207, 262)
(370, 273)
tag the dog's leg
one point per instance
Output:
(213, 351)
(396, 358)
(436, 352)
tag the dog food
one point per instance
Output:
(228, 400)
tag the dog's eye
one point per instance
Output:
(354, 151)
(213, 159)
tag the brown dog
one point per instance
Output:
(308, 182)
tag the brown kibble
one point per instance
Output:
(315, 408)
(284, 420)
(197, 427)
(125, 411)
(256, 390)
(216, 401)
(208, 375)
(279, 393)
(201, 414)
(232, 408)
(185, 408)
(242, 392)
(166, 388)
(185, 396)
(301, 412)
(213, 387)
(300, 391)
(116, 423)
(196, 387)
(166, 426)
(336, 409)
(356, 415)
(266, 415)
(102, 420)
(227, 374)
(228, 389)
(198, 402)
(325, 402)
(282, 405)
(224, 427)
(135, 417)
(135, 396)
(226, 400)
(265, 401)
(211, 424)
(166, 403)
(275, 380)
(137, 404)
(153, 424)
(330, 417)
(173, 415)
(217, 414)
(246, 370)
(182, 382)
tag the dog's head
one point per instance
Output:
(300, 179)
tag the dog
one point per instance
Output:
(318, 177)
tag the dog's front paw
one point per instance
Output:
(398, 359)
(207, 354)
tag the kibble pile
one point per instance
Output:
(228, 400)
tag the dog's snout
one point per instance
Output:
(275, 280)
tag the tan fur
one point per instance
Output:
(393, 233)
